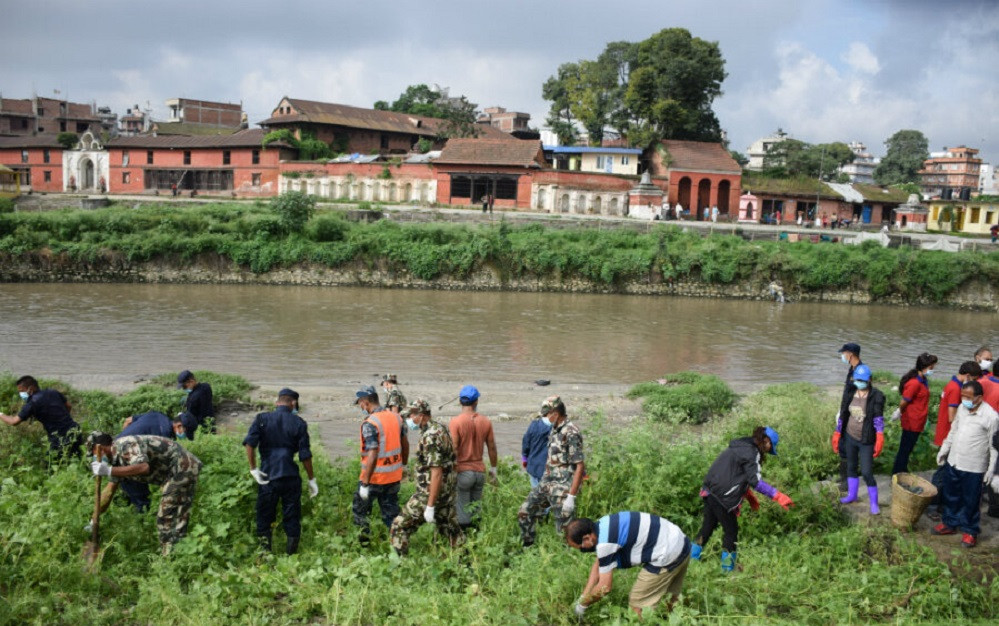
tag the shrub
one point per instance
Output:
(327, 228)
(6, 205)
(685, 397)
(294, 209)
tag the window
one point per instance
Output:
(461, 187)
(255, 179)
(384, 142)
(226, 157)
(126, 177)
(62, 127)
(600, 161)
(41, 112)
(506, 189)
(187, 157)
(46, 156)
(256, 157)
(625, 159)
(149, 157)
(47, 175)
(24, 156)
(24, 124)
(975, 214)
(81, 127)
(124, 158)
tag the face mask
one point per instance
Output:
(23, 394)
(929, 372)
(412, 424)
(968, 404)
(182, 436)
(104, 458)
(547, 421)
(187, 391)
(861, 384)
(985, 364)
(842, 356)
(294, 411)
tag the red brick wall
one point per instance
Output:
(524, 183)
(695, 201)
(241, 164)
(11, 157)
(360, 170)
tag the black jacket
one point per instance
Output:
(875, 408)
(736, 469)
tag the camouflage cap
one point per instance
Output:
(389, 378)
(419, 405)
(550, 403)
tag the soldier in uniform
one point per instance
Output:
(436, 482)
(149, 423)
(562, 478)
(395, 401)
(154, 460)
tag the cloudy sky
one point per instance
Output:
(823, 70)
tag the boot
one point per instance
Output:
(265, 542)
(852, 485)
(872, 495)
(695, 551)
(292, 547)
(728, 561)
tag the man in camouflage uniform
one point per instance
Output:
(395, 401)
(436, 482)
(562, 478)
(155, 460)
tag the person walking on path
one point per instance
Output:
(679, 211)
(627, 539)
(950, 400)
(849, 354)
(384, 453)
(394, 401)
(914, 408)
(150, 423)
(436, 483)
(198, 407)
(563, 475)
(714, 214)
(470, 431)
(51, 409)
(485, 203)
(280, 434)
(860, 429)
(728, 481)
(534, 448)
(969, 460)
(155, 460)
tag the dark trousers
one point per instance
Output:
(961, 499)
(137, 493)
(714, 514)
(65, 445)
(905, 447)
(289, 491)
(388, 501)
(858, 454)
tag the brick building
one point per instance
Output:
(953, 173)
(468, 169)
(205, 113)
(506, 121)
(36, 158)
(40, 116)
(697, 174)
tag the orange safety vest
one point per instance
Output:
(388, 469)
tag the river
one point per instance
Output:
(107, 335)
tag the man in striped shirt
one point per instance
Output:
(626, 539)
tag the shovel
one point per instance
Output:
(91, 550)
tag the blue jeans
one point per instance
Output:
(137, 493)
(960, 499)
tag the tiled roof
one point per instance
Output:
(29, 141)
(700, 156)
(243, 139)
(517, 153)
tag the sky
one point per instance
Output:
(823, 70)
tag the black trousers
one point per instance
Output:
(387, 497)
(289, 491)
(905, 448)
(715, 514)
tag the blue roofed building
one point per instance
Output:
(595, 160)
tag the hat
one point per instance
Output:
(419, 406)
(862, 372)
(851, 347)
(468, 393)
(291, 393)
(550, 403)
(774, 438)
(183, 377)
(364, 391)
(388, 378)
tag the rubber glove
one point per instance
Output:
(941, 457)
(995, 484)
(363, 492)
(100, 468)
(523, 462)
(313, 488)
(428, 514)
(568, 505)
(89, 527)
(897, 415)
(751, 498)
(835, 441)
(989, 474)
(580, 609)
(783, 500)
(879, 444)
(259, 476)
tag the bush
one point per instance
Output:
(7, 205)
(685, 397)
(327, 228)
(294, 209)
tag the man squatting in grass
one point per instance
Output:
(149, 423)
(51, 409)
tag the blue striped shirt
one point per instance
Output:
(630, 538)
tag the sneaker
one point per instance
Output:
(968, 541)
(942, 529)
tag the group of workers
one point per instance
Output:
(450, 473)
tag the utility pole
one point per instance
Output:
(819, 187)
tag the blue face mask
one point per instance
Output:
(181, 435)
(861, 384)
(187, 391)
(968, 404)
(842, 356)
(929, 372)
(104, 458)
(547, 421)
(412, 424)
(23, 394)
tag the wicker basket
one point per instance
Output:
(907, 507)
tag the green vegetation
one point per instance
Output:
(253, 236)
(906, 151)
(309, 148)
(6, 205)
(685, 397)
(294, 209)
(807, 565)
(67, 140)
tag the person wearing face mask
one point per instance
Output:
(860, 435)
(968, 457)
(534, 448)
(394, 401)
(950, 399)
(914, 408)
(850, 355)
(279, 434)
(384, 453)
(563, 477)
(149, 423)
(198, 407)
(983, 356)
(660, 546)
(51, 409)
(989, 380)
(436, 483)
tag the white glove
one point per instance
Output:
(988, 477)
(428, 514)
(897, 415)
(995, 484)
(313, 488)
(580, 609)
(363, 492)
(100, 468)
(259, 476)
(89, 527)
(941, 457)
(569, 505)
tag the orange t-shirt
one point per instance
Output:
(470, 431)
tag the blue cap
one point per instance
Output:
(774, 438)
(291, 393)
(862, 372)
(183, 377)
(364, 392)
(468, 393)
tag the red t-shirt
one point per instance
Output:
(917, 393)
(950, 398)
(990, 390)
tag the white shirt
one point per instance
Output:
(968, 446)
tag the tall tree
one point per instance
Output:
(793, 157)
(458, 113)
(907, 149)
(561, 119)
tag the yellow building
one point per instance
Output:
(595, 160)
(10, 182)
(965, 216)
